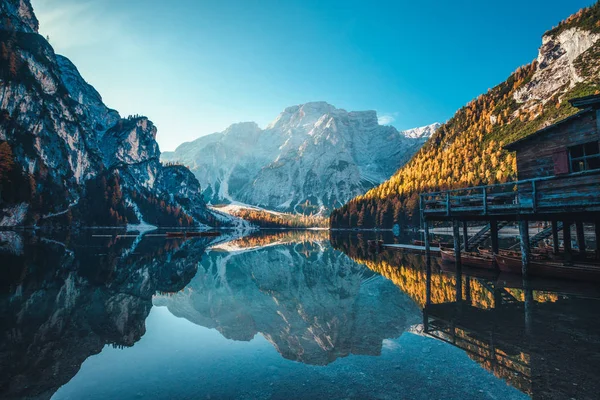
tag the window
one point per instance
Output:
(585, 157)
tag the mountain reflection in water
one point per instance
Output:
(284, 314)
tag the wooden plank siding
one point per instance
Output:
(547, 186)
(536, 156)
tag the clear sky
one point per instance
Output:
(196, 66)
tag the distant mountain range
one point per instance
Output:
(311, 158)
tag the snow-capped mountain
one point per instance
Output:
(423, 132)
(311, 158)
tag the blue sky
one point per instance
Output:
(195, 67)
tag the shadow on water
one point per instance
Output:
(318, 298)
(541, 336)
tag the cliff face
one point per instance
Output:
(311, 158)
(66, 145)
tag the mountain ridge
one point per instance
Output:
(311, 157)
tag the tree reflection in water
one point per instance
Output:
(541, 336)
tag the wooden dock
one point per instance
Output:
(558, 182)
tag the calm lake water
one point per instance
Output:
(281, 315)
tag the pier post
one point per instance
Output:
(465, 236)
(525, 246)
(597, 228)
(567, 240)
(427, 296)
(459, 291)
(494, 230)
(468, 290)
(456, 237)
(555, 246)
(427, 245)
(580, 238)
(497, 297)
(528, 306)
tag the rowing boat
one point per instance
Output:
(586, 271)
(468, 259)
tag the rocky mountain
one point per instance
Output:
(468, 149)
(65, 157)
(313, 303)
(311, 158)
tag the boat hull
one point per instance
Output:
(468, 259)
(551, 269)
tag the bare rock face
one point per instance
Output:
(17, 15)
(311, 158)
(556, 65)
(90, 107)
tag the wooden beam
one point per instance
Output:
(497, 297)
(555, 243)
(580, 238)
(457, 255)
(597, 228)
(465, 236)
(494, 230)
(528, 305)
(525, 248)
(567, 240)
(468, 290)
(456, 237)
(426, 233)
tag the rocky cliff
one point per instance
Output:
(311, 158)
(68, 158)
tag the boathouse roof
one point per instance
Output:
(586, 104)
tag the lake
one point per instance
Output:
(104, 314)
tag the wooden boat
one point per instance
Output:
(538, 253)
(586, 271)
(186, 234)
(468, 259)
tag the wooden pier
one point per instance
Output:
(559, 182)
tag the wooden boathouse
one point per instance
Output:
(558, 181)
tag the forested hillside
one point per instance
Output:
(467, 150)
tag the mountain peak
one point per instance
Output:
(423, 132)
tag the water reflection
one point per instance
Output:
(541, 336)
(64, 298)
(314, 304)
(295, 314)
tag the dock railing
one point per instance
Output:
(578, 191)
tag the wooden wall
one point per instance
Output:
(535, 157)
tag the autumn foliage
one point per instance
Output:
(468, 149)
